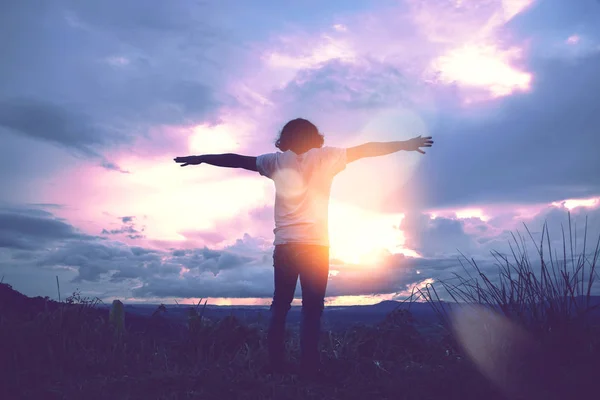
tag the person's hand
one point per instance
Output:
(189, 160)
(414, 144)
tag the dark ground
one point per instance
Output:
(51, 350)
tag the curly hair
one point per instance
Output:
(299, 135)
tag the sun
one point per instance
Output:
(359, 236)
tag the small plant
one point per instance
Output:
(195, 316)
(161, 309)
(85, 302)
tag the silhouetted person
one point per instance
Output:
(302, 172)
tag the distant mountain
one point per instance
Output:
(334, 317)
(17, 305)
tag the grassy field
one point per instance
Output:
(528, 333)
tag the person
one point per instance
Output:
(302, 171)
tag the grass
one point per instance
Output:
(542, 307)
(550, 295)
(69, 349)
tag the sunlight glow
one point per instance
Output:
(338, 301)
(513, 7)
(222, 301)
(188, 208)
(358, 236)
(483, 66)
(570, 204)
(216, 139)
(471, 213)
(476, 57)
(408, 253)
(357, 300)
(461, 213)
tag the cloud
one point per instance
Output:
(534, 148)
(97, 77)
(507, 147)
(557, 219)
(244, 268)
(452, 237)
(463, 45)
(257, 282)
(33, 229)
(58, 125)
(47, 205)
(208, 237)
(367, 84)
(238, 284)
(113, 167)
(239, 270)
(256, 222)
(127, 228)
(436, 237)
(95, 259)
(47, 121)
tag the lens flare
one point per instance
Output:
(504, 352)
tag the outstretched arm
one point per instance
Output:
(374, 149)
(228, 160)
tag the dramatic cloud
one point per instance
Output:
(535, 148)
(88, 89)
(244, 268)
(94, 77)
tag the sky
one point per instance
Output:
(97, 98)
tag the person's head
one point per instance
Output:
(299, 136)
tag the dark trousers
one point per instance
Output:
(310, 263)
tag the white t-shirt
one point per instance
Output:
(302, 188)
